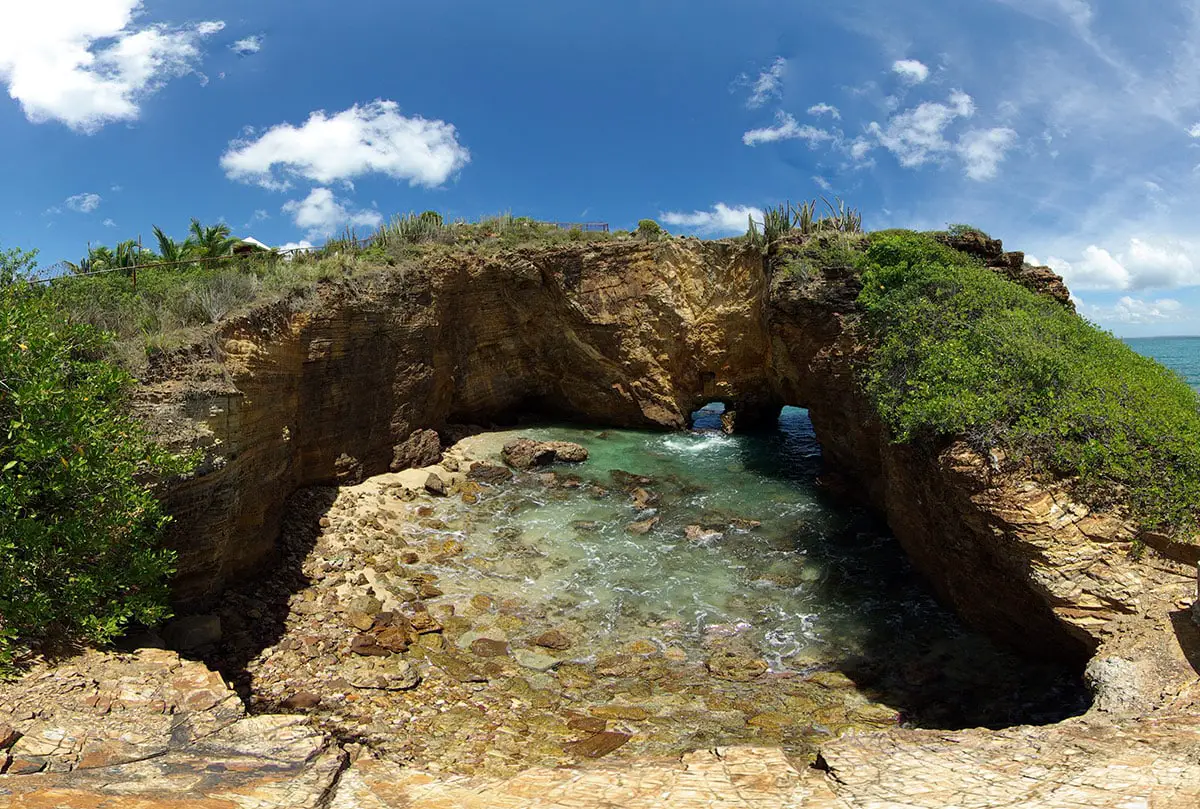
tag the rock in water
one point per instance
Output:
(567, 451)
(394, 674)
(599, 745)
(486, 472)
(422, 448)
(524, 453)
(643, 527)
(740, 668)
(435, 485)
(552, 639)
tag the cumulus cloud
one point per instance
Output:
(321, 213)
(910, 70)
(825, 109)
(247, 46)
(721, 220)
(367, 139)
(84, 203)
(89, 64)
(768, 85)
(1141, 265)
(786, 128)
(983, 150)
(1135, 311)
(108, 223)
(916, 136)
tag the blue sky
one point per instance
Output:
(1069, 128)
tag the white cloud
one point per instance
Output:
(247, 46)
(89, 64)
(982, 150)
(1194, 130)
(108, 223)
(916, 136)
(722, 219)
(84, 203)
(786, 128)
(1163, 264)
(373, 138)
(825, 109)
(768, 84)
(1135, 311)
(1097, 269)
(822, 183)
(321, 214)
(910, 70)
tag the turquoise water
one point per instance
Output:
(1181, 354)
(741, 545)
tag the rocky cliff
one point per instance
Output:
(625, 334)
(349, 381)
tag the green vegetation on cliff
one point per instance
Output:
(961, 351)
(80, 554)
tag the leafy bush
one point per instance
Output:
(959, 230)
(826, 249)
(80, 532)
(650, 230)
(961, 351)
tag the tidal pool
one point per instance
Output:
(690, 541)
(675, 592)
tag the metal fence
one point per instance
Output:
(586, 227)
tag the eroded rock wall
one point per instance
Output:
(622, 334)
(627, 334)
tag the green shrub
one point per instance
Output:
(959, 230)
(650, 230)
(80, 554)
(959, 351)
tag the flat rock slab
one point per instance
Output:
(745, 777)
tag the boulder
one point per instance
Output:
(435, 485)
(524, 453)
(487, 472)
(567, 451)
(422, 448)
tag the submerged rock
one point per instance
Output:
(643, 527)
(735, 666)
(600, 744)
(488, 472)
(552, 639)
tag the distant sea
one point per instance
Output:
(1179, 353)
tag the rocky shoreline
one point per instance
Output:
(368, 374)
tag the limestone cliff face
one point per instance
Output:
(625, 334)
(298, 394)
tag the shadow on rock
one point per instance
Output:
(1188, 634)
(253, 615)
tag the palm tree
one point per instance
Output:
(214, 241)
(171, 250)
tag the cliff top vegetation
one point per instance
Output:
(960, 351)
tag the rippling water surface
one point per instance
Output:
(741, 544)
(1181, 354)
